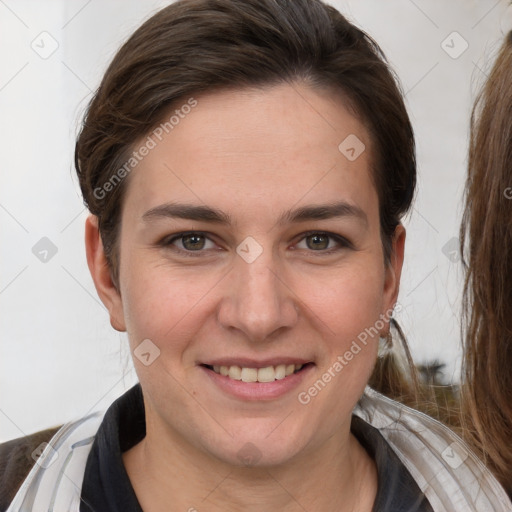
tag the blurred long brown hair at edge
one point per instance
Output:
(486, 246)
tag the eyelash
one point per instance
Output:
(342, 242)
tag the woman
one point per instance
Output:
(246, 165)
(487, 397)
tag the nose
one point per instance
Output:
(257, 300)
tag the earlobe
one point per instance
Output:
(100, 273)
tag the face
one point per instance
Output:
(250, 249)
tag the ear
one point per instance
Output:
(100, 272)
(394, 269)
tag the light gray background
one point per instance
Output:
(59, 356)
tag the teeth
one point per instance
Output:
(280, 372)
(234, 372)
(267, 374)
(249, 375)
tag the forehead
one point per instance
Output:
(263, 148)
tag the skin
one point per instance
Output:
(253, 154)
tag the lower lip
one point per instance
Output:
(258, 390)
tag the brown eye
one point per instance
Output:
(317, 241)
(193, 242)
(323, 243)
(190, 243)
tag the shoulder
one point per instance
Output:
(16, 460)
(447, 471)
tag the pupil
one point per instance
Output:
(318, 241)
(193, 242)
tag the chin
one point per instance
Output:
(249, 454)
(255, 447)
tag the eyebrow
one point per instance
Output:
(325, 211)
(187, 211)
(213, 215)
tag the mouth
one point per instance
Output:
(265, 374)
(257, 380)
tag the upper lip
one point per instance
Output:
(245, 362)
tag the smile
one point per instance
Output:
(267, 374)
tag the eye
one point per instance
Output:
(191, 242)
(322, 242)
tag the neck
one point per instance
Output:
(338, 476)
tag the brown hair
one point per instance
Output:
(203, 45)
(193, 46)
(486, 246)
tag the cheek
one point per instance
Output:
(346, 302)
(348, 307)
(162, 304)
